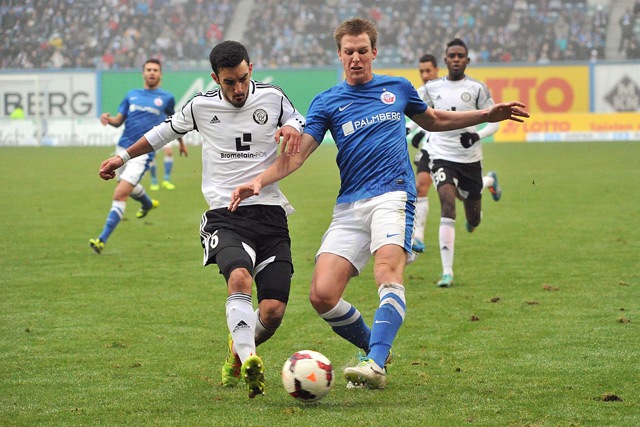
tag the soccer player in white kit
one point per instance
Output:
(456, 155)
(374, 211)
(428, 67)
(241, 123)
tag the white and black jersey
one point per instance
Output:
(413, 128)
(238, 143)
(467, 94)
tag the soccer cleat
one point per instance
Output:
(231, 367)
(417, 246)
(446, 281)
(143, 212)
(154, 187)
(388, 360)
(495, 190)
(470, 228)
(361, 357)
(168, 185)
(366, 373)
(252, 371)
(97, 245)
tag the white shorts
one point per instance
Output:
(359, 229)
(134, 169)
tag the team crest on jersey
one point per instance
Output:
(158, 102)
(466, 96)
(260, 116)
(388, 97)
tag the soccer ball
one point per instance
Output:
(307, 375)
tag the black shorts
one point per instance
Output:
(466, 177)
(255, 237)
(421, 160)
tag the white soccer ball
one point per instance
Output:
(307, 375)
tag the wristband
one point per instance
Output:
(124, 155)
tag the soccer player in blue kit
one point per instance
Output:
(374, 213)
(140, 110)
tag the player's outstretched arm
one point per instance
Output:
(440, 120)
(283, 166)
(107, 119)
(108, 167)
(508, 111)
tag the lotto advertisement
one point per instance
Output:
(569, 103)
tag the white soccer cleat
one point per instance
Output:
(412, 256)
(367, 373)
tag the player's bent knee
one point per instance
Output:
(272, 312)
(234, 261)
(321, 301)
(240, 280)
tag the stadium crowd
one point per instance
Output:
(109, 34)
(497, 31)
(121, 34)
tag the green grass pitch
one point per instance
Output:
(541, 329)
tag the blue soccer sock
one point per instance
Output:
(113, 218)
(141, 196)
(346, 321)
(168, 166)
(153, 172)
(387, 320)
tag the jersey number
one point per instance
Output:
(244, 143)
(213, 240)
(438, 176)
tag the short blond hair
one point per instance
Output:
(355, 27)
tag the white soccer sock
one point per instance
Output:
(422, 210)
(447, 241)
(241, 321)
(487, 181)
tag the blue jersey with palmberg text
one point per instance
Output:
(367, 122)
(142, 110)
